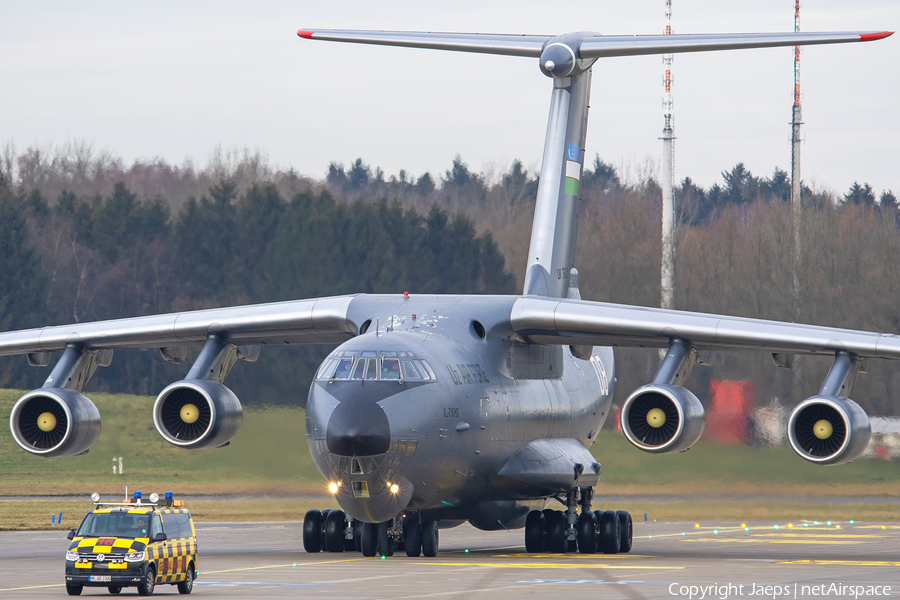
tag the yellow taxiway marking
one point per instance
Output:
(818, 535)
(32, 587)
(305, 564)
(877, 526)
(535, 565)
(753, 540)
(849, 563)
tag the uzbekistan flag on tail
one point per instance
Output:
(573, 169)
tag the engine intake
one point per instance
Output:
(662, 418)
(197, 414)
(55, 422)
(829, 430)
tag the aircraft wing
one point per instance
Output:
(312, 321)
(587, 45)
(578, 322)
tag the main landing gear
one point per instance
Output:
(587, 531)
(331, 530)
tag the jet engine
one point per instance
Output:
(197, 414)
(55, 422)
(829, 430)
(662, 418)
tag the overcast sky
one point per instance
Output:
(176, 79)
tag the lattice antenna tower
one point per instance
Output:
(667, 299)
(796, 121)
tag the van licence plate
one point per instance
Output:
(101, 578)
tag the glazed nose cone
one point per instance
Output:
(358, 428)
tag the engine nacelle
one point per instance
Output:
(662, 418)
(197, 414)
(829, 430)
(55, 422)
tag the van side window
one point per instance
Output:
(155, 526)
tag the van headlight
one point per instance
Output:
(134, 556)
(71, 555)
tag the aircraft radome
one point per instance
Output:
(435, 410)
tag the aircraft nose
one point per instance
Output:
(358, 428)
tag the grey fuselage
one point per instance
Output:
(443, 440)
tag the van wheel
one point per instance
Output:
(114, 589)
(187, 585)
(74, 590)
(145, 588)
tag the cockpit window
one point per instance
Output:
(390, 368)
(372, 366)
(343, 368)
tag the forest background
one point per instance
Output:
(84, 237)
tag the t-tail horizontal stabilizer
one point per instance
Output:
(568, 59)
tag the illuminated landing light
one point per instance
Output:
(837, 526)
(46, 422)
(776, 527)
(394, 488)
(823, 429)
(333, 487)
(743, 524)
(697, 525)
(790, 525)
(656, 418)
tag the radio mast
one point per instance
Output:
(795, 168)
(668, 180)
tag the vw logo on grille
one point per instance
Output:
(101, 557)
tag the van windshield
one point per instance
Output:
(115, 524)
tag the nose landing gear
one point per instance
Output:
(555, 531)
(332, 531)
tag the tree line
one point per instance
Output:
(105, 240)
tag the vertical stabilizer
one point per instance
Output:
(551, 255)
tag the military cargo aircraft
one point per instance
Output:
(439, 409)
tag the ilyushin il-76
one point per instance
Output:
(440, 409)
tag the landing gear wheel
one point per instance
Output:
(587, 532)
(385, 545)
(626, 530)
(335, 524)
(534, 532)
(412, 537)
(145, 588)
(74, 590)
(187, 586)
(357, 535)
(369, 538)
(430, 540)
(114, 589)
(312, 531)
(609, 533)
(555, 541)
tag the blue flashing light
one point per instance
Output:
(137, 495)
(168, 495)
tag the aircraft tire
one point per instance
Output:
(609, 532)
(412, 537)
(312, 528)
(626, 530)
(384, 545)
(587, 532)
(357, 535)
(555, 541)
(335, 523)
(534, 532)
(430, 540)
(369, 538)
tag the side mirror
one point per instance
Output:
(160, 537)
(71, 534)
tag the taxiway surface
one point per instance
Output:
(674, 560)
